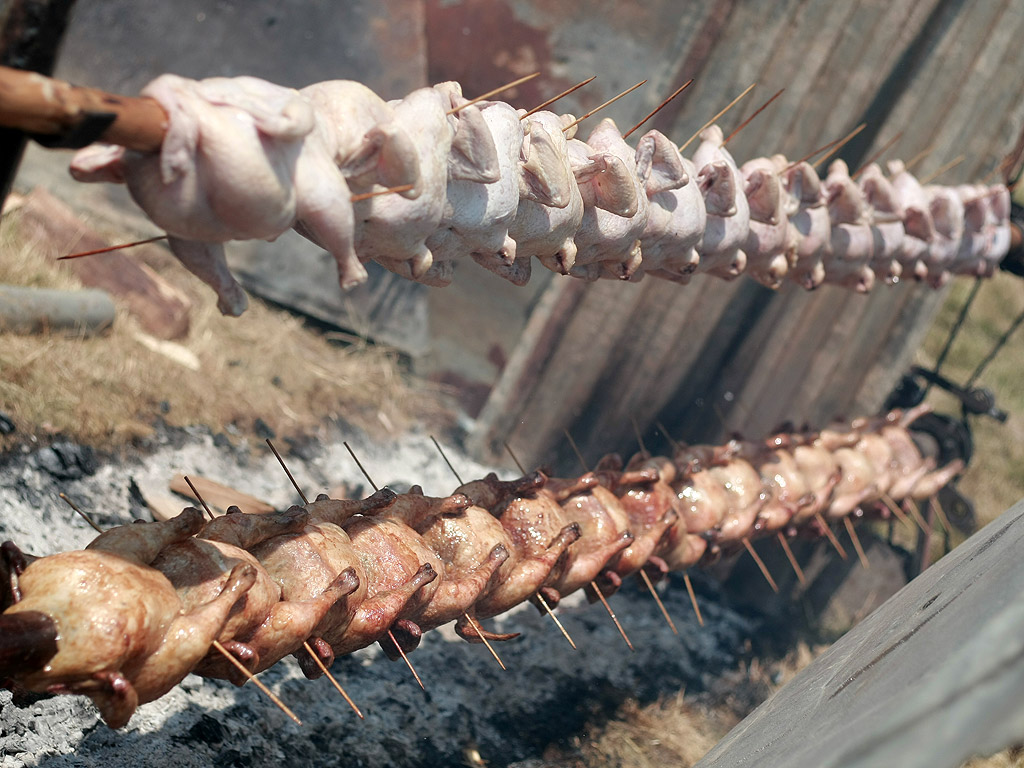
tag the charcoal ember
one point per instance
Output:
(67, 461)
(207, 730)
(6, 424)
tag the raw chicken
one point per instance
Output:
(728, 213)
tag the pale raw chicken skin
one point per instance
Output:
(852, 241)
(242, 159)
(886, 224)
(810, 224)
(548, 231)
(677, 216)
(392, 230)
(769, 245)
(608, 242)
(947, 210)
(917, 220)
(728, 213)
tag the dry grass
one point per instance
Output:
(995, 479)
(108, 390)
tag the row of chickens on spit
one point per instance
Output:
(246, 159)
(125, 619)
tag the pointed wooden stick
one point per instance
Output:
(856, 543)
(885, 148)
(760, 564)
(256, 681)
(334, 682)
(576, 450)
(941, 514)
(657, 599)
(831, 536)
(895, 509)
(808, 156)
(674, 443)
(518, 464)
(111, 248)
(406, 659)
(200, 498)
(757, 112)
(846, 139)
(84, 516)
(554, 618)
(792, 559)
(693, 597)
(495, 92)
(361, 467)
(604, 602)
(288, 472)
(480, 634)
(379, 192)
(915, 513)
(660, 107)
(562, 95)
(639, 437)
(445, 457)
(598, 109)
(951, 164)
(713, 119)
(919, 157)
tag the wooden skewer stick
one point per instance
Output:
(846, 139)
(693, 597)
(831, 536)
(951, 164)
(360, 465)
(760, 564)
(480, 634)
(792, 559)
(256, 681)
(820, 149)
(674, 443)
(554, 618)
(607, 607)
(200, 498)
(916, 514)
(598, 109)
(563, 94)
(81, 512)
(510, 453)
(576, 450)
(379, 192)
(660, 107)
(885, 148)
(941, 514)
(657, 599)
(919, 157)
(334, 682)
(443, 456)
(495, 92)
(856, 543)
(290, 475)
(111, 248)
(36, 104)
(406, 659)
(713, 119)
(757, 112)
(895, 509)
(639, 437)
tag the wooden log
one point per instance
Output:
(218, 495)
(38, 310)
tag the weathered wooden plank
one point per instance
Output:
(929, 679)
